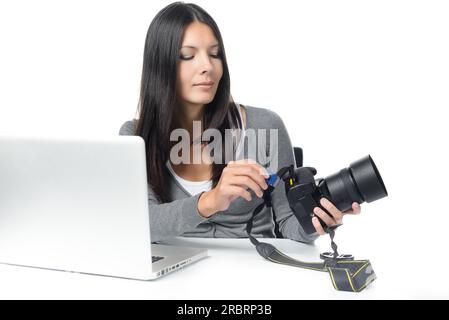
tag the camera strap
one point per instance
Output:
(346, 274)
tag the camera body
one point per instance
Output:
(360, 182)
(303, 197)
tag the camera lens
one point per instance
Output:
(359, 183)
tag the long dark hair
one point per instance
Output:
(157, 102)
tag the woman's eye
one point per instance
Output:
(216, 56)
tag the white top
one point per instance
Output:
(192, 187)
(196, 187)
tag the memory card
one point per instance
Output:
(272, 180)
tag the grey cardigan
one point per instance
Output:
(180, 217)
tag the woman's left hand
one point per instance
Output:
(336, 215)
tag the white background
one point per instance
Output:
(348, 78)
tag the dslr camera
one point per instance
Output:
(360, 182)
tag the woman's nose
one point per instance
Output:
(206, 64)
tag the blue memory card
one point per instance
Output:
(272, 179)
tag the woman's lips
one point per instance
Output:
(205, 85)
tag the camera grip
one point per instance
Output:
(303, 211)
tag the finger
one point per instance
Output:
(260, 169)
(354, 210)
(238, 191)
(333, 210)
(316, 223)
(328, 220)
(249, 170)
(247, 182)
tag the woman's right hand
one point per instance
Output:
(237, 177)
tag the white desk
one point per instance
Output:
(233, 270)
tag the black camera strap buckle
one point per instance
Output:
(330, 255)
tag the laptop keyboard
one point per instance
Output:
(156, 258)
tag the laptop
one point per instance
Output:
(81, 205)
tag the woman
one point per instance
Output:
(185, 78)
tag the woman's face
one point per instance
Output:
(199, 63)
